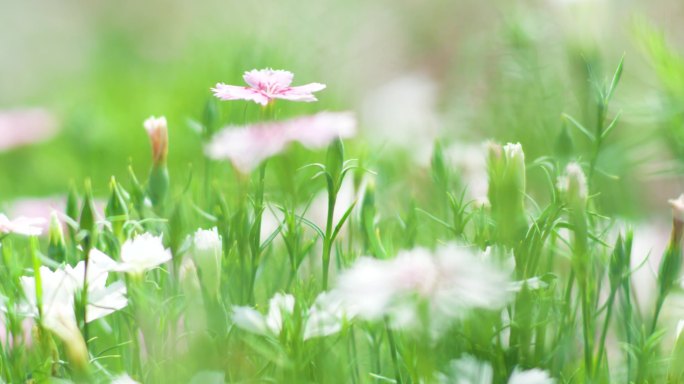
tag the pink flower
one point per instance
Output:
(246, 147)
(25, 126)
(266, 85)
(21, 225)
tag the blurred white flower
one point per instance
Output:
(20, 127)
(467, 370)
(325, 317)
(451, 280)
(253, 321)
(532, 376)
(141, 253)
(60, 286)
(21, 225)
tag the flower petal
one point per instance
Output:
(232, 92)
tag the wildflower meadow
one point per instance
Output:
(342, 192)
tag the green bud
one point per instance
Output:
(137, 192)
(87, 223)
(573, 186)
(158, 186)
(210, 117)
(335, 160)
(56, 245)
(506, 194)
(72, 210)
(564, 146)
(116, 209)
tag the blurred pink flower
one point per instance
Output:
(21, 225)
(266, 85)
(246, 147)
(42, 207)
(20, 127)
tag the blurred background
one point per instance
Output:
(78, 78)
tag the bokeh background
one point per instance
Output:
(413, 71)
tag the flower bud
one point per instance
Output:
(335, 159)
(87, 222)
(440, 174)
(159, 138)
(574, 187)
(116, 209)
(506, 171)
(195, 314)
(56, 244)
(207, 254)
(671, 263)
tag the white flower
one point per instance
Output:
(468, 370)
(574, 184)
(251, 320)
(532, 376)
(207, 253)
(60, 286)
(141, 253)
(325, 317)
(451, 280)
(21, 225)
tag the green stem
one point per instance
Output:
(327, 241)
(604, 331)
(256, 230)
(393, 352)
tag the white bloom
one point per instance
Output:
(21, 225)
(141, 253)
(60, 286)
(207, 253)
(468, 370)
(532, 376)
(251, 320)
(326, 316)
(574, 184)
(451, 280)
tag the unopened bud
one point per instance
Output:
(574, 186)
(56, 244)
(506, 193)
(207, 253)
(159, 138)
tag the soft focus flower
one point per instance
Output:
(207, 253)
(141, 253)
(21, 225)
(159, 138)
(246, 147)
(60, 286)
(266, 85)
(325, 317)
(251, 320)
(451, 280)
(25, 126)
(467, 370)
(532, 376)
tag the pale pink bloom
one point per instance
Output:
(451, 280)
(23, 338)
(21, 225)
(266, 85)
(246, 147)
(319, 130)
(25, 126)
(43, 207)
(251, 320)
